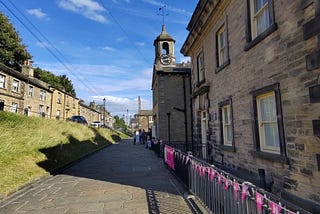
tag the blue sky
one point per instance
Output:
(104, 46)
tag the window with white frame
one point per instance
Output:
(41, 111)
(201, 71)
(260, 21)
(2, 81)
(42, 95)
(14, 107)
(268, 124)
(15, 86)
(226, 122)
(59, 98)
(222, 48)
(260, 16)
(226, 125)
(30, 92)
(268, 131)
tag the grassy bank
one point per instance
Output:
(31, 147)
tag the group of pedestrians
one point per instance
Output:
(141, 136)
(145, 138)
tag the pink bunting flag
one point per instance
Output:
(220, 178)
(196, 167)
(201, 170)
(193, 165)
(275, 208)
(236, 188)
(213, 174)
(226, 184)
(244, 191)
(187, 160)
(259, 201)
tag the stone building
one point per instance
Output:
(22, 93)
(90, 113)
(145, 120)
(256, 92)
(171, 93)
(12, 89)
(37, 95)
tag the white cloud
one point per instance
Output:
(120, 87)
(88, 8)
(185, 59)
(140, 44)
(119, 105)
(42, 44)
(38, 13)
(108, 48)
(117, 1)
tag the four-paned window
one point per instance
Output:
(42, 95)
(59, 98)
(268, 132)
(226, 123)
(14, 107)
(222, 49)
(260, 16)
(2, 81)
(267, 123)
(30, 93)
(15, 86)
(200, 66)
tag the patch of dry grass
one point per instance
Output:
(31, 147)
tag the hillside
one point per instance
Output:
(32, 147)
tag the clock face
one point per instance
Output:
(165, 59)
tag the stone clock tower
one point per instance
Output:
(171, 93)
(164, 49)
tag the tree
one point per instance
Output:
(119, 123)
(67, 84)
(61, 82)
(12, 52)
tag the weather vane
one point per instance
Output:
(163, 14)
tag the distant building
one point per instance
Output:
(145, 121)
(171, 93)
(22, 93)
(256, 92)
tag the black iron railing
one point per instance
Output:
(221, 192)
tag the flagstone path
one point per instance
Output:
(122, 178)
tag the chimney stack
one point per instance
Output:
(139, 104)
(27, 68)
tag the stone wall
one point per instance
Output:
(289, 57)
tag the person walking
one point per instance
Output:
(134, 138)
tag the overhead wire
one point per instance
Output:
(124, 31)
(46, 46)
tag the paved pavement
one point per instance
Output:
(122, 178)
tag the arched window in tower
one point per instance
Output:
(165, 48)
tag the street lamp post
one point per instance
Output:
(104, 112)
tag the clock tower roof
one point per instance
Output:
(164, 36)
